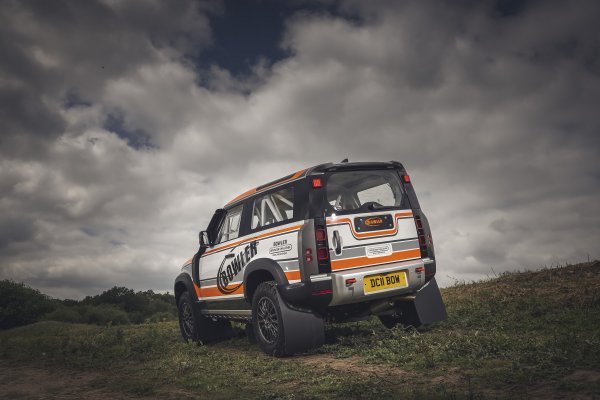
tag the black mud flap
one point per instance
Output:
(427, 308)
(303, 330)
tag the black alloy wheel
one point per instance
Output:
(267, 320)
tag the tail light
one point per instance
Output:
(422, 238)
(320, 234)
(322, 245)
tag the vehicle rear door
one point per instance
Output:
(369, 219)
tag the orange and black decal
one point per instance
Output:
(231, 266)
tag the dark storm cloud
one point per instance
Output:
(116, 147)
(53, 52)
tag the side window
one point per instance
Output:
(230, 228)
(273, 207)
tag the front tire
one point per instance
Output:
(197, 328)
(187, 320)
(267, 320)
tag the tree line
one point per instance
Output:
(22, 305)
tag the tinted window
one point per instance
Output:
(368, 190)
(230, 228)
(273, 208)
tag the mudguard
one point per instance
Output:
(427, 307)
(303, 330)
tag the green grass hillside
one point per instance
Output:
(520, 335)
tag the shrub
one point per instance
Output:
(64, 314)
(105, 315)
(21, 305)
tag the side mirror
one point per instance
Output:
(203, 239)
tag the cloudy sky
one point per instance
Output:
(124, 124)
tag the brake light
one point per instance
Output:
(322, 247)
(406, 178)
(421, 236)
(322, 254)
(316, 183)
(320, 235)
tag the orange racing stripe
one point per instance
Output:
(348, 263)
(252, 191)
(362, 235)
(213, 291)
(228, 246)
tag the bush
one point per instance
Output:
(105, 315)
(21, 305)
(64, 314)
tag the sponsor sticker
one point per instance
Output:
(379, 250)
(280, 248)
(374, 221)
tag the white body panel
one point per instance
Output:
(222, 266)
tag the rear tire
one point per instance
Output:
(267, 320)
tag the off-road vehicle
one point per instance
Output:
(331, 243)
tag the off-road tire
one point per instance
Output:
(197, 328)
(267, 320)
(188, 324)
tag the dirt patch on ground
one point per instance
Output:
(26, 382)
(583, 375)
(351, 365)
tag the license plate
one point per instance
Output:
(379, 282)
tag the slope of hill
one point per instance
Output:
(529, 335)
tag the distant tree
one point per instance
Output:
(105, 315)
(140, 306)
(21, 305)
(65, 314)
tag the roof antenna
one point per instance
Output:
(345, 160)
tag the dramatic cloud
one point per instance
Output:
(117, 143)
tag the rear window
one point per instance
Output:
(364, 191)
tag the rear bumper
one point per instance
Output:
(331, 290)
(354, 293)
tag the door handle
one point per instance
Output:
(337, 243)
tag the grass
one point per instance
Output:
(529, 335)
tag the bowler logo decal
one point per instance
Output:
(373, 221)
(227, 273)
